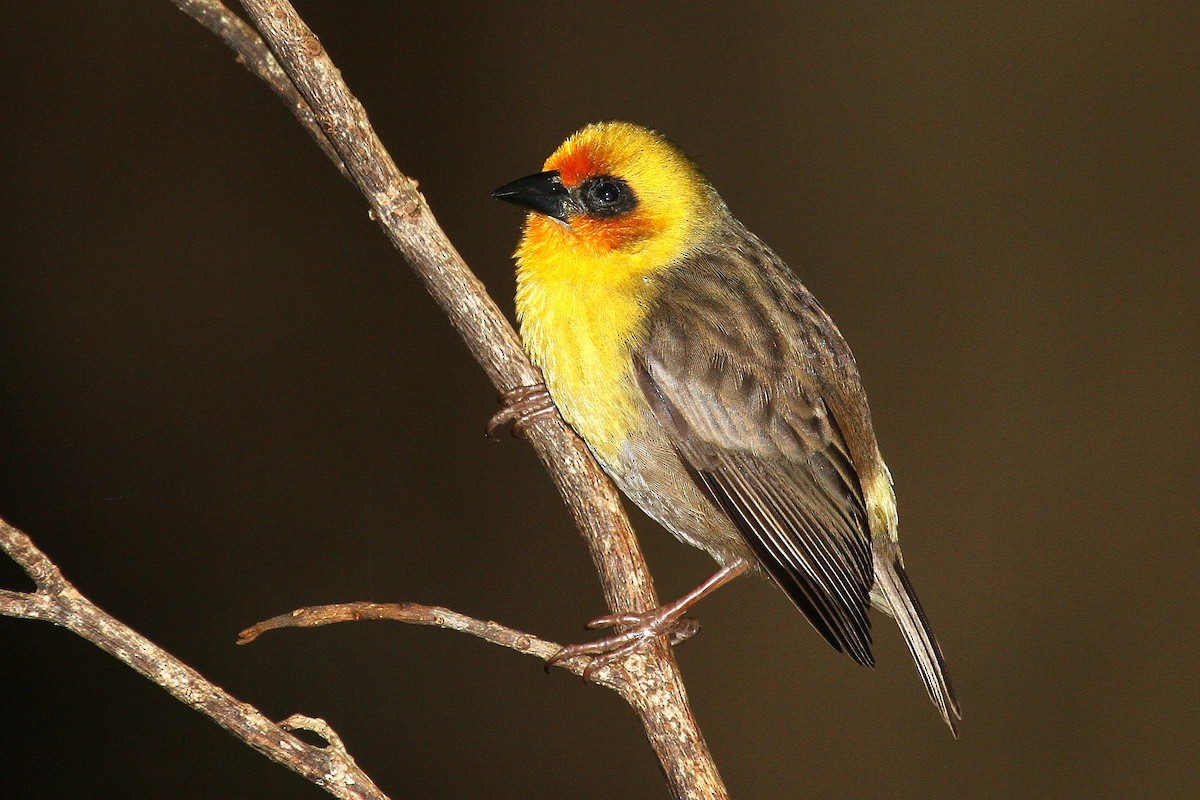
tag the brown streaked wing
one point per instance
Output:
(737, 396)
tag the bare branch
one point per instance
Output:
(254, 56)
(21, 549)
(59, 602)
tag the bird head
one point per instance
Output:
(615, 189)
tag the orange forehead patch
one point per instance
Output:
(577, 161)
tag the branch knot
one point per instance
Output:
(401, 201)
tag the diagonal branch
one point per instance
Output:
(656, 691)
(254, 56)
(304, 77)
(56, 600)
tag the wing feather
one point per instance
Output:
(750, 401)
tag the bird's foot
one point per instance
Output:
(522, 405)
(644, 628)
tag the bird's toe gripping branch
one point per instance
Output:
(522, 406)
(666, 620)
(644, 628)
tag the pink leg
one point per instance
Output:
(522, 406)
(646, 626)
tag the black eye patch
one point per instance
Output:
(606, 196)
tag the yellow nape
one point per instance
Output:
(585, 286)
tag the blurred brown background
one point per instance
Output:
(223, 395)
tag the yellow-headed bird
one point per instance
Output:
(712, 387)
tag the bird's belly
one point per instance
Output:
(599, 402)
(651, 474)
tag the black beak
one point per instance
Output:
(543, 193)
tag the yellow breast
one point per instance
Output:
(579, 327)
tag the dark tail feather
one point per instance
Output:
(893, 582)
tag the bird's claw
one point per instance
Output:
(522, 405)
(646, 627)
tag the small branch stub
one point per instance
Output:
(299, 722)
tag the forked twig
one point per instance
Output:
(56, 600)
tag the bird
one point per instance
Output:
(712, 388)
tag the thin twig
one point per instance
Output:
(57, 601)
(436, 616)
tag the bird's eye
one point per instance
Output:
(606, 196)
(607, 192)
